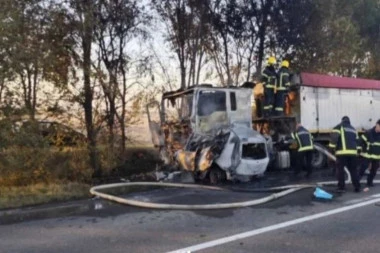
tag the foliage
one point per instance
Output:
(117, 24)
(27, 157)
(35, 47)
(366, 15)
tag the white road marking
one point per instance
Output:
(354, 201)
(254, 232)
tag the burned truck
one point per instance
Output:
(208, 131)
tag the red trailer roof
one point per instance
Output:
(317, 80)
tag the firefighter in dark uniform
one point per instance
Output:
(344, 140)
(370, 143)
(269, 80)
(283, 84)
(305, 149)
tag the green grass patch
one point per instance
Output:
(12, 197)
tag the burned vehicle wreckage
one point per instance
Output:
(208, 131)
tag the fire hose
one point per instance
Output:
(284, 190)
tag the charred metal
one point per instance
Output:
(205, 129)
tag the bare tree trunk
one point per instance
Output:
(34, 91)
(227, 62)
(249, 66)
(2, 86)
(24, 88)
(199, 65)
(182, 68)
(262, 32)
(111, 113)
(219, 69)
(29, 96)
(191, 69)
(123, 109)
(261, 50)
(251, 51)
(27, 87)
(194, 60)
(88, 94)
(239, 61)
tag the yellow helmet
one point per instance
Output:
(271, 60)
(285, 64)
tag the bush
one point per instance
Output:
(24, 166)
(26, 157)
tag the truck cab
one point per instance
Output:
(208, 131)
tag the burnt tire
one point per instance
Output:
(319, 159)
(216, 175)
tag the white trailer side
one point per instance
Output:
(323, 100)
(322, 108)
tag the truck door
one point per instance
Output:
(155, 122)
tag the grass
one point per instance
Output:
(139, 162)
(12, 197)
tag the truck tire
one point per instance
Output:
(319, 159)
(216, 175)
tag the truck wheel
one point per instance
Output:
(319, 159)
(217, 175)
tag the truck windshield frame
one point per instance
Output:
(211, 101)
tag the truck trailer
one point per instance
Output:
(323, 100)
(319, 102)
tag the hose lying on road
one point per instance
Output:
(285, 190)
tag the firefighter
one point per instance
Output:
(305, 149)
(282, 88)
(269, 80)
(344, 141)
(370, 153)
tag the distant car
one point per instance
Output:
(55, 133)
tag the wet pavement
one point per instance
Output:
(98, 225)
(233, 192)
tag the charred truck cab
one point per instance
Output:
(208, 131)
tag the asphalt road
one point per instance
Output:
(284, 225)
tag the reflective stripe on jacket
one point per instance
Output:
(364, 145)
(373, 144)
(304, 139)
(344, 139)
(269, 77)
(283, 79)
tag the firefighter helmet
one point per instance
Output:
(346, 119)
(271, 60)
(285, 64)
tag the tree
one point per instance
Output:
(174, 13)
(188, 29)
(227, 23)
(367, 16)
(263, 19)
(250, 32)
(322, 37)
(117, 23)
(290, 25)
(81, 13)
(198, 40)
(31, 48)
